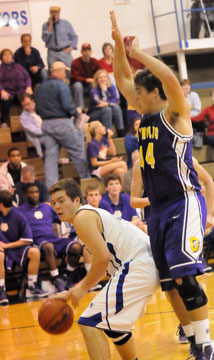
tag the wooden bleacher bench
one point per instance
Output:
(38, 164)
(5, 136)
(203, 155)
(15, 124)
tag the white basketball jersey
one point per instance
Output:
(124, 240)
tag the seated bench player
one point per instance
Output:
(118, 202)
(16, 247)
(41, 217)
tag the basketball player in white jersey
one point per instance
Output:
(121, 249)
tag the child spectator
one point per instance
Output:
(100, 145)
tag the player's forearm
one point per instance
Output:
(17, 244)
(157, 67)
(140, 203)
(120, 63)
(95, 274)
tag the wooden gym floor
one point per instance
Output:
(21, 338)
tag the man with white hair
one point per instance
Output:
(54, 105)
(59, 37)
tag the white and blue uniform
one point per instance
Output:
(178, 212)
(133, 281)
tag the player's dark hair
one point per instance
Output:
(71, 188)
(29, 185)
(13, 149)
(149, 81)
(6, 198)
(112, 177)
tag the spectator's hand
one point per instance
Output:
(27, 50)
(2, 245)
(50, 21)
(34, 69)
(89, 80)
(116, 35)
(12, 190)
(79, 110)
(110, 133)
(68, 49)
(140, 224)
(116, 158)
(5, 95)
(28, 90)
(102, 104)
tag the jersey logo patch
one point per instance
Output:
(4, 227)
(195, 243)
(38, 215)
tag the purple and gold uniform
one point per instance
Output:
(41, 219)
(14, 226)
(178, 211)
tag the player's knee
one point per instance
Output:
(118, 338)
(191, 293)
(34, 253)
(76, 249)
(48, 249)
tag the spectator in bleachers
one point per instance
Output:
(28, 175)
(29, 57)
(192, 97)
(32, 123)
(10, 171)
(106, 62)
(41, 218)
(207, 117)
(14, 82)
(82, 71)
(54, 105)
(119, 202)
(59, 37)
(131, 143)
(104, 102)
(16, 248)
(100, 145)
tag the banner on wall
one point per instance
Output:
(14, 18)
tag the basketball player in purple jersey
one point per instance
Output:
(178, 211)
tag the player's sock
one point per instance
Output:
(70, 268)
(87, 267)
(2, 282)
(54, 272)
(32, 279)
(201, 330)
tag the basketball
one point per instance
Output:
(55, 316)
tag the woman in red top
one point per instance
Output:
(106, 62)
(207, 115)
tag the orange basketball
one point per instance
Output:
(55, 316)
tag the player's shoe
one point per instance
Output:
(71, 279)
(3, 296)
(35, 292)
(95, 288)
(58, 283)
(202, 352)
(181, 335)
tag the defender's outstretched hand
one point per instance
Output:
(116, 34)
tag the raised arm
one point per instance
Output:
(122, 72)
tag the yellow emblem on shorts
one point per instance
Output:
(195, 243)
